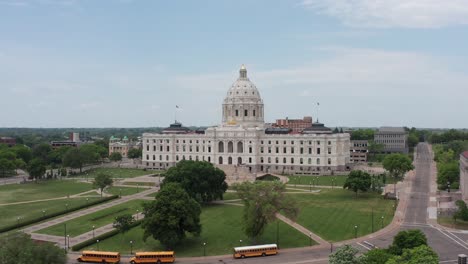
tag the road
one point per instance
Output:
(447, 244)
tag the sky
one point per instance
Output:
(128, 63)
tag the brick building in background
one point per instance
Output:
(296, 125)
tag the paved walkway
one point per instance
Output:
(60, 240)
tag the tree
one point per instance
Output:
(123, 223)
(462, 212)
(171, 215)
(74, 158)
(362, 134)
(36, 168)
(134, 153)
(377, 256)
(20, 248)
(200, 179)
(93, 153)
(22, 152)
(115, 156)
(358, 181)
(6, 167)
(407, 239)
(19, 164)
(375, 147)
(41, 152)
(102, 181)
(397, 165)
(262, 201)
(346, 255)
(417, 255)
(447, 173)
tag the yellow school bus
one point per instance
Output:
(153, 257)
(255, 251)
(99, 256)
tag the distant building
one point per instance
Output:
(296, 125)
(359, 150)
(464, 175)
(394, 139)
(75, 137)
(8, 141)
(73, 141)
(122, 146)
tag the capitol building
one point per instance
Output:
(244, 141)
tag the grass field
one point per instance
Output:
(449, 222)
(117, 190)
(41, 190)
(324, 180)
(113, 172)
(333, 213)
(139, 183)
(85, 223)
(221, 231)
(10, 213)
(230, 196)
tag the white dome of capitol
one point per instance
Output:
(243, 88)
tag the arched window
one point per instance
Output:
(209, 159)
(177, 157)
(301, 161)
(221, 147)
(230, 160)
(230, 147)
(240, 147)
(318, 161)
(269, 159)
(220, 160)
(284, 160)
(309, 161)
(239, 160)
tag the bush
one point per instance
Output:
(47, 216)
(101, 237)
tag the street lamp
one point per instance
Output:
(131, 247)
(355, 231)
(448, 186)
(43, 213)
(68, 240)
(204, 249)
(120, 192)
(310, 236)
(66, 205)
(93, 231)
(97, 242)
(240, 242)
(382, 220)
(137, 215)
(87, 200)
(310, 186)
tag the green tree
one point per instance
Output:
(407, 239)
(6, 167)
(377, 256)
(262, 201)
(41, 151)
(375, 147)
(55, 157)
(36, 168)
(417, 255)
(19, 164)
(447, 173)
(171, 216)
(358, 181)
(362, 134)
(346, 255)
(397, 165)
(22, 152)
(101, 181)
(115, 156)
(462, 211)
(123, 223)
(93, 153)
(134, 153)
(20, 248)
(200, 179)
(74, 158)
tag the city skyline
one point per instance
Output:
(129, 63)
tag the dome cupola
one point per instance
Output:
(243, 104)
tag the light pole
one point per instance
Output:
(277, 232)
(68, 241)
(120, 192)
(240, 242)
(204, 249)
(131, 247)
(138, 187)
(382, 220)
(65, 235)
(137, 215)
(310, 186)
(43, 213)
(97, 242)
(93, 231)
(87, 200)
(310, 236)
(448, 186)
(66, 206)
(372, 216)
(355, 231)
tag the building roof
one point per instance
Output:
(392, 130)
(176, 128)
(317, 128)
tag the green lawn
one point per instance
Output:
(230, 196)
(318, 180)
(41, 190)
(10, 213)
(85, 223)
(221, 231)
(333, 213)
(117, 190)
(449, 222)
(114, 173)
(139, 183)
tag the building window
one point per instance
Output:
(250, 149)
(167, 148)
(292, 160)
(240, 147)
(147, 147)
(237, 114)
(309, 161)
(329, 150)
(269, 159)
(318, 142)
(167, 157)
(292, 150)
(147, 157)
(261, 149)
(284, 150)
(250, 160)
(220, 147)
(284, 160)
(154, 157)
(318, 161)
(209, 149)
(246, 112)
(301, 161)
(318, 151)
(277, 149)
(302, 151)
(177, 157)
(253, 112)
(160, 157)
(276, 160)
(269, 149)
(261, 160)
(329, 142)
(209, 159)
(329, 161)
(310, 150)
(230, 147)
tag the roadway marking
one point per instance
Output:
(454, 240)
(368, 248)
(449, 261)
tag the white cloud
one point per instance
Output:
(394, 13)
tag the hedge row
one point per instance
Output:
(109, 234)
(47, 216)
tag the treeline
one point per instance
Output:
(448, 136)
(447, 157)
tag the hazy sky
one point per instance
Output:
(128, 63)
